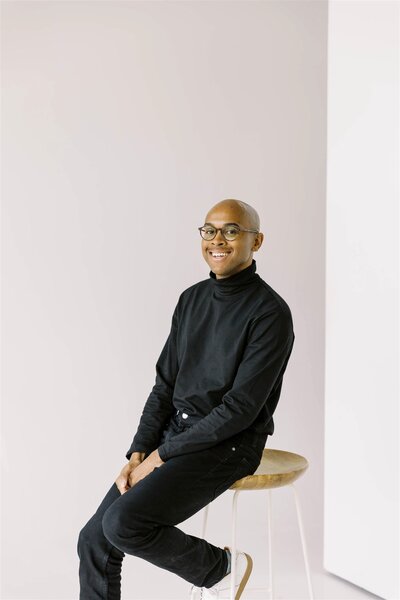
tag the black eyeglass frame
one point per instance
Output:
(224, 227)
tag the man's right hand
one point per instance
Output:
(122, 480)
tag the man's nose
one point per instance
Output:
(219, 238)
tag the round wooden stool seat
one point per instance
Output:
(276, 469)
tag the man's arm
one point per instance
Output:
(265, 358)
(158, 407)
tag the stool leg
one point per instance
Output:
(205, 517)
(303, 540)
(233, 544)
(269, 521)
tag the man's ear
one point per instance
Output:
(258, 240)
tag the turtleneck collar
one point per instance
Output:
(228, 286)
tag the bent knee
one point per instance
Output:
(125, 535)
(113, 526)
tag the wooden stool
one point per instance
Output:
(277, 469)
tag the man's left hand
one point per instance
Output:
(147, 466)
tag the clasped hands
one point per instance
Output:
(137, 468)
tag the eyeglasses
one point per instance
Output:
(229, 232)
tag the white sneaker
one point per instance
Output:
(222, 589)
(195, 593)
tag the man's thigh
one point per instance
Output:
(184, 484)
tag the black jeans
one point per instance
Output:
(142, 521)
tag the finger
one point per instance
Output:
(122, 484)
(133, 479)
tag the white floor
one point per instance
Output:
(294, 587)
(290, 582)
(326, 587)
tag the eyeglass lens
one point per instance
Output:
(229, 232)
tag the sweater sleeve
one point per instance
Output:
(259, 374)
(158, 407)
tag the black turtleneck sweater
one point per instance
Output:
(221, 366)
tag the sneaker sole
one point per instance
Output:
(245, 576)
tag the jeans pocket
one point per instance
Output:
(229, 448)
(233, 471)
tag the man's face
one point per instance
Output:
(237, 253)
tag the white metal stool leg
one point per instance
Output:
(269, 520)
(233, 544)
(205, 517)
(303, 540)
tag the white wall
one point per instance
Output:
(123, 122)
(361, 506)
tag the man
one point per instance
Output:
(205, 422)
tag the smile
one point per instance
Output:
(219, 256)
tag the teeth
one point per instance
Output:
(219, 253)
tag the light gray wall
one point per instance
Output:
(123, 122)
(361, 476)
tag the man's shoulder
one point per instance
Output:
(270, 299)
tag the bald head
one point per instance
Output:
(241, 211)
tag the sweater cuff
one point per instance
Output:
(162, 453)
(132, 450)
